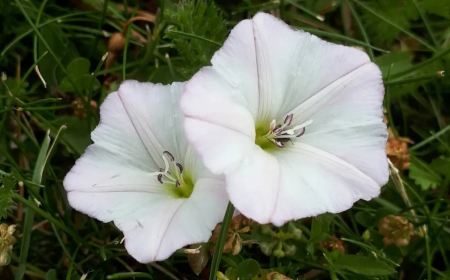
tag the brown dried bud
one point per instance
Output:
(397, 150)
(6, 243)
(334, 244)
(116, 43)
(396, 230)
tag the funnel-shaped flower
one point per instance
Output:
(141, 173)
(295, 123)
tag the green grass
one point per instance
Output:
(41, 135)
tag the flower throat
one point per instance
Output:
(279, 134)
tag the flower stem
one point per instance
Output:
(221, 241)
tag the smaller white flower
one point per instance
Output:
(141, 173)
(294, 122)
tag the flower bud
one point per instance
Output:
(116, 42)
(278, 253)
(366, 235)
(266, 248)
(289, 249)
(221, 276)
(297, 234)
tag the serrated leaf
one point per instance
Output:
(248, 269)
(203, 20)
(7, 184)
(423, 175)
(362, 265)
(400, 12)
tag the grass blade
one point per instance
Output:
(221, 241)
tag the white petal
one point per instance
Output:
(349, 123)
(154, 112)
(190, 221)
(299, 64)
(296, 182)
(253, 185)
(220, 147)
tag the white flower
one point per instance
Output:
(141, 173)
(294, 122)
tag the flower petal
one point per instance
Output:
(348, 122)
(190, 221)
(156, 117)
(296, 182)
(296, 64)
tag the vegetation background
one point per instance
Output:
(56, 74)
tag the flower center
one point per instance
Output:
(180, 184)
(279, 134)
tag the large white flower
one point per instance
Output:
(294, 122)
(141, 173)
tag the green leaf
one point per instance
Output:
(438, 7)
(51, 275)
(421, 173)
(393, 63)
(248, 269)
(79, 67)
(231, 273)
(319, 229)
(364, 218)
(7, 184)
(76, 134)
(399, 12)
(362, 265)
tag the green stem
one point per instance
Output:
(361, 28)
(221, 241)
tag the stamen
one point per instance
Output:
(160, 178)
(169, 156)
(180, 167)
(301, 132)
(177, 184)
(279, 144)
(288, 119)
(278, 131)
(272, 125)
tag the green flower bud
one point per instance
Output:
(296, 234)
(221, 276)
(289, 249)
(266, 248)
(278, 253)
(366, 235)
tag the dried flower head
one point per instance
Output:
(233, 244)
(397, 150)
(7, 241)
(396, 230)
(334, 244)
